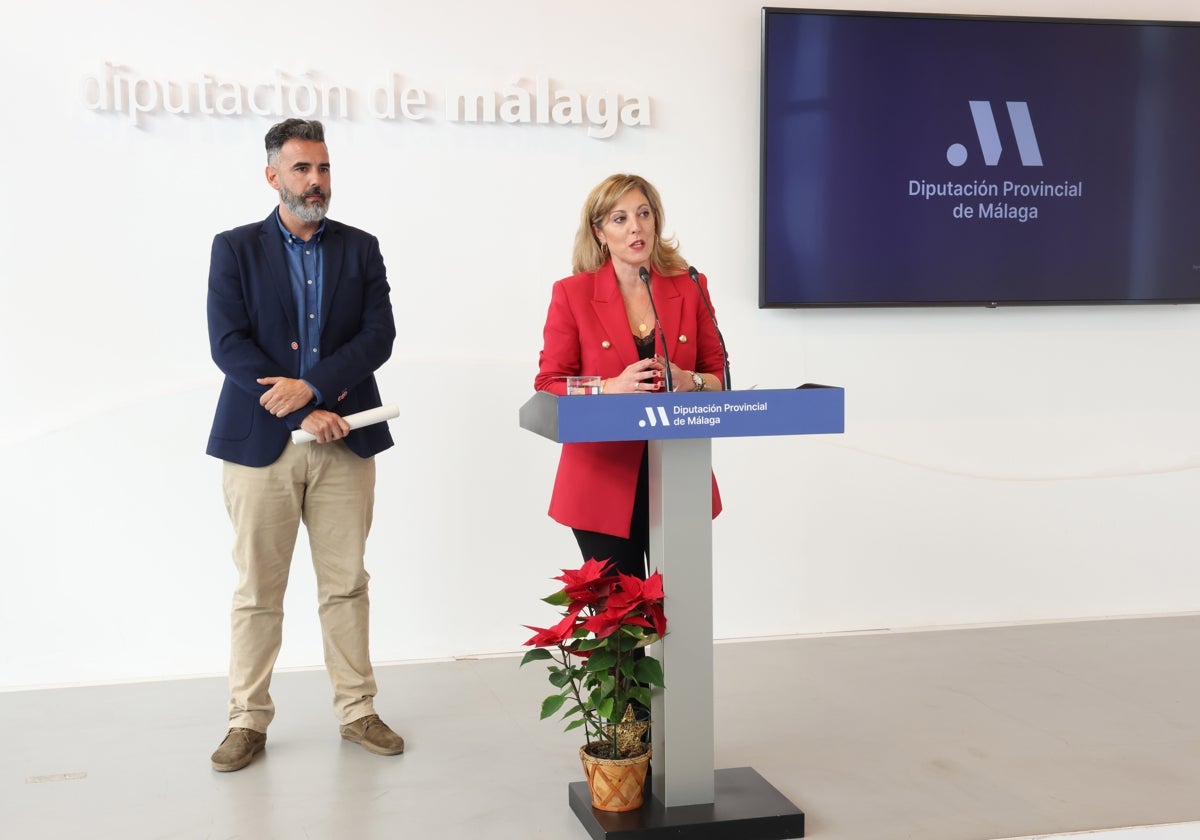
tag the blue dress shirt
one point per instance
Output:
(305, 262)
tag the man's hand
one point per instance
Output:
(325, 426)
(285, 395)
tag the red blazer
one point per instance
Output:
(587, 332)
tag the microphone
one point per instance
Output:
(645, 275)
(695, 275)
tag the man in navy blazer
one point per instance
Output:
(299, 320)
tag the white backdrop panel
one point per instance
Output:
(998, 465)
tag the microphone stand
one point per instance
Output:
(645, 276)
(695, 275)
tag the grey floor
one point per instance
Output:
(973, 734)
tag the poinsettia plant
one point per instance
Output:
(595, 657)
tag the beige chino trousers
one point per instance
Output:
(332, 491)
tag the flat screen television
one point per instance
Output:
(925, 160)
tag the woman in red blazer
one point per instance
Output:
(601, 323)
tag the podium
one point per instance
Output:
(688, 797)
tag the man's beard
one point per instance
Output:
(299, 205)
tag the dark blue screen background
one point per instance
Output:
(857, 106)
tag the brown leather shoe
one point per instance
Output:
(238, 749)
(374, 735)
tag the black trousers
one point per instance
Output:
(628, 554)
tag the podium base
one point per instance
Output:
(745, 807)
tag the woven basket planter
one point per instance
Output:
(616, 784)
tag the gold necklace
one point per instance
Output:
(642, 328)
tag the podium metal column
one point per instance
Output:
(681, 548)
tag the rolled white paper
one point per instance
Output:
(356, 421)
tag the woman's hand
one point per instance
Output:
(684, 382)
(641, 377)
(681, 379)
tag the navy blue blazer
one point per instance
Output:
(253, 332)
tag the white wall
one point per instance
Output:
(998, 465)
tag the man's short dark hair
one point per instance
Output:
(293, 129)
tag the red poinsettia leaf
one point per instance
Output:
(659, 618)
(544, 637)
(652, 588)
(555, 635)
(587, 596)
(538, 639)
(632, 587)
(622, 602)
(589, 584)
(604, 624)
(590, 572)
(633, 593)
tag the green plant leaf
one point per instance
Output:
(649, 671)
(605, 708)
(560, 679)
(640, 694)
(575, 724)
(578, 675)
(604, 682)
(558, 599)
(535, 655)
(552, 704)
(601, 660)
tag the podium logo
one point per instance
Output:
(651, 420)
(989, 137)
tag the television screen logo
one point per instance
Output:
(989, 137)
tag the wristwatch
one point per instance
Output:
(698, 381)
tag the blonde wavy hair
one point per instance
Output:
(589, 255)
